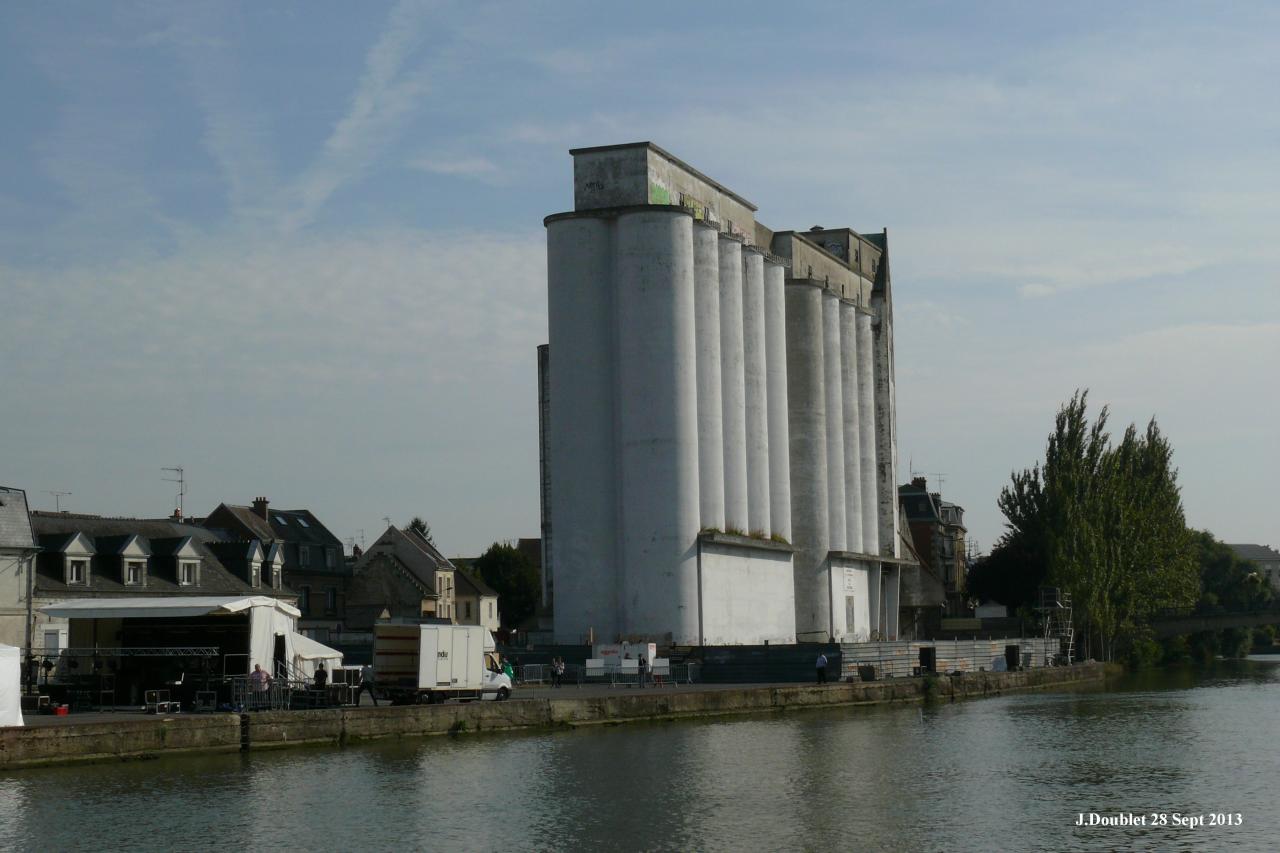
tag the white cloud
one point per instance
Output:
(385, 96)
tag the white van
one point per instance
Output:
(434, 663)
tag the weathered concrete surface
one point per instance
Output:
(36, 745)
(71, 743)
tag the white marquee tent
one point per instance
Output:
(10, 686)
(269, 618)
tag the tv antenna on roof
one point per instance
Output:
(940, 478)
(182, 485)
(57, 499)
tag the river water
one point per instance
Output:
(1010, 773)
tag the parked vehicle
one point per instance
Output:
(434, 663)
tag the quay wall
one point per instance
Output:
(150, 738)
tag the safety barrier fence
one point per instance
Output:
(904, 658)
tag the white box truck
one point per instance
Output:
(433, 663)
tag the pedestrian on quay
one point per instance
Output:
(259, 684)
(321, 676)
(644, 670)
(557, 671)
(366, 683)
(822, 668)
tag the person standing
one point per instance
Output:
(644, 670)
(366, 683)
(259, 684)
(822, 668)
(322, 676)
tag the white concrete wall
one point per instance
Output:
(733, 387)
(852, 442)
(13, 600)
(746, 595)
(706, 286)
(851, 578)
(757, 404)
(775, 329)
(657, 425)
(867, 437)
(583, 460)
(835, 422)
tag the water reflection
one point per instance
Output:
(1005, 773)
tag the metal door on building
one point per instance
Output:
(850, 616)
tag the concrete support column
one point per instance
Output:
(775, 333)
(733, 386)
(835, 421)
(657, 424)
(873, 591)
(892, 583)
(852, 445)
(706, 287)
(581, 428)
(757, 404)
(808, 444)
(867, 437)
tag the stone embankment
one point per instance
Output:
(150, 737)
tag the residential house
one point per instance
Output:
(937, 534)
(17, 562)
(476, 602)
(405, 572)
(313, 563)
(1266, 558)
(91, 556)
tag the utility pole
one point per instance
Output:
(57, 499)
(182, 486)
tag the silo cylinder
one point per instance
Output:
(657, 424)
(581, 427)
(757, 406)
(733, 386)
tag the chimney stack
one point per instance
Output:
(260, 508)
(918, 482)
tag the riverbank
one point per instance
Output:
(140, 738)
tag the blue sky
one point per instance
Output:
(297, 248)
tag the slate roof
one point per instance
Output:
(15, 523)
(1264, 553)
(54, 529)
(284, 525)
(413, 552)
(478, 586)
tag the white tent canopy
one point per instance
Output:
(268, 617)
(308, 654)
(10, 686)
(163, 606)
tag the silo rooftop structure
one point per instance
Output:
(717, 403)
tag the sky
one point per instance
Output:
(297, 248)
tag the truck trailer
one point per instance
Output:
(434, 663)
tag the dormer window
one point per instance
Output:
(304, 555)
(255, 574)
(275, 575)
(188, 571)
(330, 558)
(77, 572)
(135, 572)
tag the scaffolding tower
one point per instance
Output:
(1055, 609)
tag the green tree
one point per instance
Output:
(1103, 522)
(419, 525)
(513, 577)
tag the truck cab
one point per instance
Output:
(497, 685)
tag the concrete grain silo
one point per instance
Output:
(719, 416)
